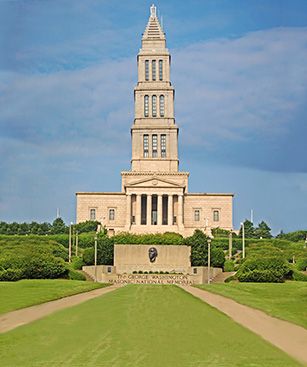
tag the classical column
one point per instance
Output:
(159, 210)
(128, 211)
(170, 210)
(148, 214)
(180, 211)
(138, 210)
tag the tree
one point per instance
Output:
(263, 231)
(248, 229)
(58, 226)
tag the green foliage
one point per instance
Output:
(58, 226)
(87, 226)
(299, 276)
(229, 265)
(9, 275)
(167, 238)
(264, 269)
(77, 262)
(301, 264)
(263, 231)
(221, 233)
(105, 250)
(293, 236)
(75, 275)
(249, 229)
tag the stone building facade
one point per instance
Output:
(154, 197)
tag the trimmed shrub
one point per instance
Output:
(264, 269)
(299, 276)
(229, 265)
(301, 264)
(9, 275)
(75, 275)
(77, 263)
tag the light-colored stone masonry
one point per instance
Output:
(154, 196)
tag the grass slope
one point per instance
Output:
(138, 326)
(286, 301)
(24, 293)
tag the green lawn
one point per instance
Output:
(15, 295)
(286, 301)
(138, 326)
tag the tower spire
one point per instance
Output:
(153, 11)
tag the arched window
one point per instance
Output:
(153, 69)
(154, 106)
(146, 106)
(146, 70)
(161, 102)
(160, 69)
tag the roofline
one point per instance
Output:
(209, 194)
(99, 193)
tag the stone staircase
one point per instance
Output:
(221, 277)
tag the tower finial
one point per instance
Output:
(153, 11)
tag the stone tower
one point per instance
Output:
(154, 195)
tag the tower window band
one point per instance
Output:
(153, 65)
(160, 70)
(145, 146)
(163, 146)
(146, 70)
(154, 106)
(155, 146)
(161, 107)
(146, 106)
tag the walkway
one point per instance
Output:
(291, 338)
(13, 319)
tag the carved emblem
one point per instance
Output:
(153, 254)
(155, 182)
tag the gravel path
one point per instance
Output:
(13, 319)
(288, 337)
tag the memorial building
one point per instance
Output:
(154, 195)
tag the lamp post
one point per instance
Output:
(209, 259)
(95, 255)
(69, 243)
(77, 242)
(230, 245)
(243, 241)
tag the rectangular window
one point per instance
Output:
(111, 214)
(155, 146)
(163, 145)
(145, 146)
(146, 106)
(196, 215)
(92, 214)
(216, 216)
(160, 69)
(153, 65)
(154, 106)
(147, 70)
(161, 105)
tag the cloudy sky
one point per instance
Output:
(67, 72)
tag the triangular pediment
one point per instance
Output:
(153, 182)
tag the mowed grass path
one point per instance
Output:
(24, 293)
(287, 301)
(138, 326)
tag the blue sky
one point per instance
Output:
(67, 72)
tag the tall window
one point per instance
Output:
(155, 146)
(154, 106)
(163, 145)
(161, 102)
(146, 70)
(160, 69)
(111, 214)
(145, 146)
(153, 65)
(146, 106)
(92, 214)
(196, 215)
(216, 215)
